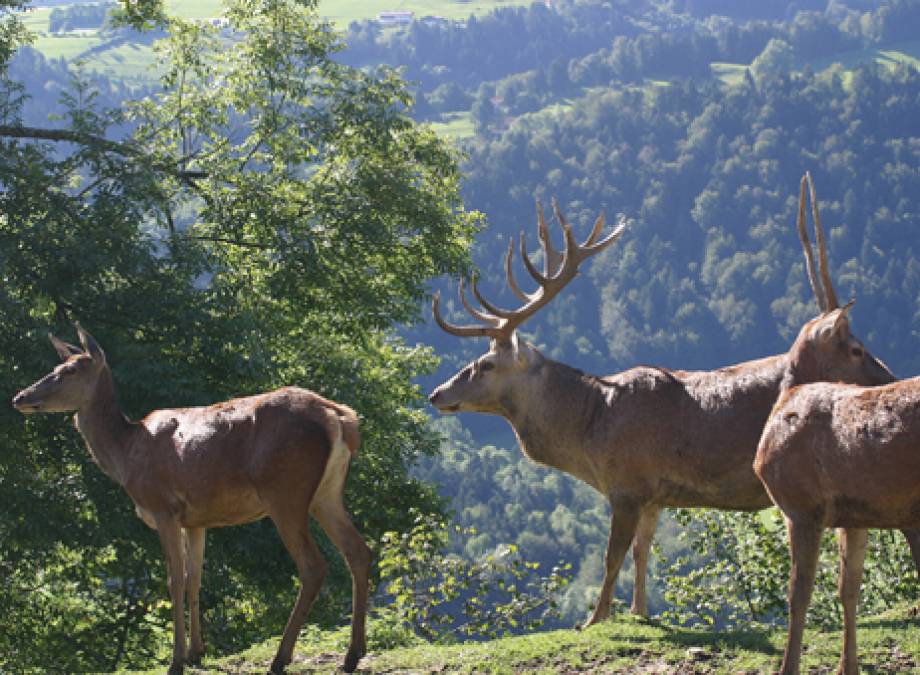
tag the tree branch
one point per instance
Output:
(81, 138)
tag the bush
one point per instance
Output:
(444, 598)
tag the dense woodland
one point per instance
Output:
(211, 269)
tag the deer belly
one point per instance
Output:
(223, 508)
(891, 511)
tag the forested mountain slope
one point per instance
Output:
(694, 119)
(710, 270)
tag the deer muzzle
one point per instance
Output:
(24, 402)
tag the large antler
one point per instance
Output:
(558, 270)
(823, 288)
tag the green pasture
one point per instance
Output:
(131, 62)
(343, 12)
(729, 73)
(36, 20)
(195, 9)
(66, 47)
(892, 56)
(455, 126)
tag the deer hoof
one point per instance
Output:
(595, 618)
(194, 656)
(277, 667)
(351, 659)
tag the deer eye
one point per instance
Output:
(488, 365)
(857, 352)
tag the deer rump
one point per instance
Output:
(824, 440)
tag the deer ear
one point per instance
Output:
(90, 345)
(834, 323)
(520, 351)
(64, 349)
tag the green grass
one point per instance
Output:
(730, 73)
(36, 19)
(343, 12)
(195, 9)
(66, 47)
(455, 126)
(131, 62)
(889, 643)
(893, 55)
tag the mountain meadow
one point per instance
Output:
(240, 195)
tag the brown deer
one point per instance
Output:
(646, 438)
(838, 455)
(283, 454)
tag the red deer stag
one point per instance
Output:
(646, 438)
(284, 454)
(838, 455)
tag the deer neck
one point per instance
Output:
(547, 412)
(105, 429)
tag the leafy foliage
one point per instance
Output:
(745, 572)
(269, 218)
(443, 596)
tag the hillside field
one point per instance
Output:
(889, 643)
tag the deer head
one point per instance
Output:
(484, 384)
(71, 384)
(825, 349)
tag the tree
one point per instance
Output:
(777, 57)
(270, 218)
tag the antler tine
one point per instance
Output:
(821, 243)
(610, 238)
(501, 322)
(568, 268)
(596, 230)
(512, 284)
(497, 311)
(806, 246)
(552, 258)
(539, 278)
(475, 313)
(460, 331)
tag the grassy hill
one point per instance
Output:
(133, 62)
(889, 643)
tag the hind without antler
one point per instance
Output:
(646, 438)
(284, 454)
(838, 455)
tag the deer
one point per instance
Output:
(646, 438)
(284, 454)
(837, 454)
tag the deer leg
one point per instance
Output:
(804, 545)
(311, 569)
(623, 525)
(852, 544)
(645, 532)
(913, 540)
(334, 520)
(171, 538)
(194, 542)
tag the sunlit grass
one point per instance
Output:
(624, 644)
(67, 47)
(343, 12)
(456, 126)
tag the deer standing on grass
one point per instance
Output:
(283, 454)
(646, 438)
(837, 455)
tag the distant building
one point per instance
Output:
(395, 17)
(434, 20)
